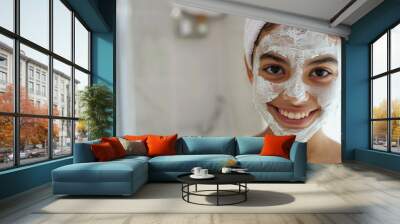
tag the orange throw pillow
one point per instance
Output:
(116, 145)
(161, 145)
(277, 145)
(103, 152)
(136, 137)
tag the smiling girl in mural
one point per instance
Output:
(295, 74)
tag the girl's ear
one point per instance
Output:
(248, 70)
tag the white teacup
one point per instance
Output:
(196, 171)
(226, 170)
(203, 172)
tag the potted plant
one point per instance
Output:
(96, 102)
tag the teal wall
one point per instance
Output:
(90, 12)
(380, 159)
(356, 101)
(99, 15)
(103, 64)
(102, 58)
(103, 51)
(24, 178)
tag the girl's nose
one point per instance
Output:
(297, 93)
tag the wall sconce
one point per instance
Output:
(192, 22)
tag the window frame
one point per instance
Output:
(388, 74)
(16, 115)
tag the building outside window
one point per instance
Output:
(60, 126)
(3, 81)
(3, 60)
(3, 77)
(55, 97)
(3, 72)
(43, 90)
(44, 77)
(385, 92)
(37, 74)
(30, 87)
(37, 89)
(30, 72)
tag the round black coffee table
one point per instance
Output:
(238, 179)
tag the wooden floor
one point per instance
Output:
(353, 182)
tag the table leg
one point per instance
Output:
(196, 187)
(245, 193)
(188, 190)
(182, 189)
(217, 194)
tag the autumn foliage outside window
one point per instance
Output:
(33, 137)
(385, 92)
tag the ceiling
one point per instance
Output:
(320, 9)
(329, 16)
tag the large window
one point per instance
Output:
(44, 64)
(385, 91)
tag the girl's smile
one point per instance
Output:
(291, 115)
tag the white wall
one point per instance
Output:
(167, 84)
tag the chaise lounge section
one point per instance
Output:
(125, 176)
(88, 177)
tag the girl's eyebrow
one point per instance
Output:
(273, 57)
(323, 59)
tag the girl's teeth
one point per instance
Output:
(292, 115)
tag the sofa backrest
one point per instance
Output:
(192, 146)
(249, 145)
(83, 152)
(206, 145)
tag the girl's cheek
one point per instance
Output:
(276, 88)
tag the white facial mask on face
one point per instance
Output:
(297, 45)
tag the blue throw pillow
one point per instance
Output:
(207, 145)
(249, 145)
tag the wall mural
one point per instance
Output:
(210, 74)
(295, 74)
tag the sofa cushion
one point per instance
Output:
(185, 163)
(257, 163)
(136, 147)
(277, 145)
(83, 152)
(249, 145)
(112, 171)
(161, 145)
(103, 152)
(206, 145)
(116, 145)
(136, 137)
(133, 158)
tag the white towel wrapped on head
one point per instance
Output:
(252, 28)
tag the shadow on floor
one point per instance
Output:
(255, 198)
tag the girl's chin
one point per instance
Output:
(294, 122)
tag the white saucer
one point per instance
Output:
(208, 176)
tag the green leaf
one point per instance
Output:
(96, 102)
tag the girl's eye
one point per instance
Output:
(320, 73)
(274, 69)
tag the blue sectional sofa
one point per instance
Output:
(125, 176)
